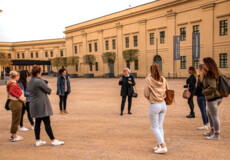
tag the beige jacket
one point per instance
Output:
(154, 91)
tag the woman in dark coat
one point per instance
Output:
(40, 107)
(191, 85)
(26, 107)
(201, 101)
(63, 89)
(126, 82)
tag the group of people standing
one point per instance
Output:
(32, 96)
(206, 87)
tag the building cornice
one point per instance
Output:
(164, 5)
(142, 22)
(208, 6)
(196, 21)
(163, 27)
(100, 31)
(223, 15)
(182, 24)
(69, 38)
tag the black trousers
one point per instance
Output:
(26, 108)
(62, 102)
(46, 121)
(123, 103)
(191, 104)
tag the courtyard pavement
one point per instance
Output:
(94, 130)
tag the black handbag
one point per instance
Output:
(135, 94)
(7, 105)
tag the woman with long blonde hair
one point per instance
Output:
(201, 98)
(154, 91)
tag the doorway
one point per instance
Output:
(111, 67)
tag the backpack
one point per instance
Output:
(224, 86)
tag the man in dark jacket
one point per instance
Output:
(127, 82)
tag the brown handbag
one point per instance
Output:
(169, 97)
(186, 94)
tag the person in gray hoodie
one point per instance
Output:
(154, 91)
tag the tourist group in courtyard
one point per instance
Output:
(30, 95)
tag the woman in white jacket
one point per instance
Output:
(154, 91)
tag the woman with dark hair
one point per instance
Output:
(126, 82)
(23, 84)
(191, 85)
(201, 98)
(40, 107)
(154, 91)
(63, 89)
(213, 98)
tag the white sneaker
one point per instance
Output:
(156, 148)
(161, 150)
(208, 134)
(23, 129)
(214, 137)
(40, 143)
(57, 143)
(205, 127)
(18, 138)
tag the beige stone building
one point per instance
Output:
(150, 28)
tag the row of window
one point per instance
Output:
(107, 44)
(152, 38)
(223, 61)
(135, 41)
(91, 45)
(196, 29)
(36, 55)
(223, 30)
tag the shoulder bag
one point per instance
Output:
(186, 94)
(135, 94)
(7, 105)
(169, 96)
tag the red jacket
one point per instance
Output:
(14, 89)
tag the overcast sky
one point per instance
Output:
(25, 20)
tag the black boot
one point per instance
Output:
(191, 115)
(121, 114)
(129, 112)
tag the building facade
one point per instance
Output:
(150, 28)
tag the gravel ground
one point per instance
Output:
(94, 129)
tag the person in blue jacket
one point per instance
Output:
(63, 89)
(26, 107)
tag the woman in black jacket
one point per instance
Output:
(201, 101)
(191, 85)
(127, 82)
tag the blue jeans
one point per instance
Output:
(202, 105)
(156, 115)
